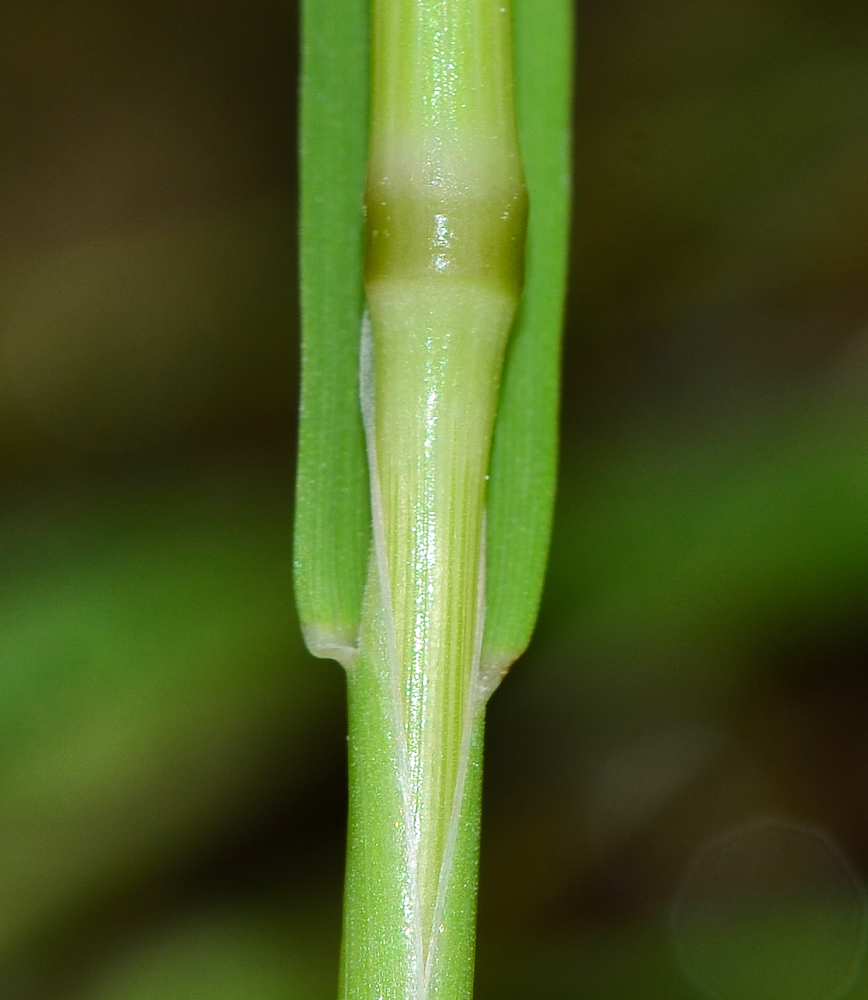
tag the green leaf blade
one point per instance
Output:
(523, 471)
(332, 518)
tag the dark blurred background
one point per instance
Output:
(676, 798)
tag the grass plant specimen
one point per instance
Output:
(431, 310)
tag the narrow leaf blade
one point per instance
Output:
(332, 519)
(524, 455)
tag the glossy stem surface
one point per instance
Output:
(445, 224)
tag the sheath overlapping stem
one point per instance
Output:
(444, 248)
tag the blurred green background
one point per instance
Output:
(676, 797)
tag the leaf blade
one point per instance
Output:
(525, 449)
(332, 517)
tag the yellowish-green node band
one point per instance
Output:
(465, 237)
(445, 191)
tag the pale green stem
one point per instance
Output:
(446, 213)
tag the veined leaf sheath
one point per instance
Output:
(445, 226)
